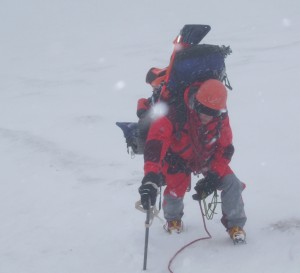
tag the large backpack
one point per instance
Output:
(192, 63)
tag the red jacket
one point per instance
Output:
(194, 147)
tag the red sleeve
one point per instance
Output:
(224, 150)
(142, 107)
(157, 144)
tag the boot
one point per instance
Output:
(174, 225)
(237, 234)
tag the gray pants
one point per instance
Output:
(232, 203)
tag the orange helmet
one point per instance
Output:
(158, 81)
(212, 94)
(156, 76)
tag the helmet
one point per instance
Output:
(158, 81)
(212, 94)
(156, 76)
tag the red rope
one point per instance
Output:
(187, 245)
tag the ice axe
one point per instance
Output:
(150, 214)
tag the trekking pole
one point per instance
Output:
(147, 225)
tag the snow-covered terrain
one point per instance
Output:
(69, 69)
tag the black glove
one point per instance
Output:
(148, 190)
(206, 186)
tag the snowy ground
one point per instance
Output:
(70, 69)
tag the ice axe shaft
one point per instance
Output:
(147, 224)
(150, 214)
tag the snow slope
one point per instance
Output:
(70, 69)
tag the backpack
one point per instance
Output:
(192, 63)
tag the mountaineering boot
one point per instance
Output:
(174, 225)
(237, 234)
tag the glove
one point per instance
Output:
(206, 186)
(148, 190)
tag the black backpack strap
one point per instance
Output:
(227, 82)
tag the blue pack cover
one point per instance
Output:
(197, 64)
(130, 130)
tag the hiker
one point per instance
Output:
(198, 141)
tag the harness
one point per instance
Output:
(176, 163)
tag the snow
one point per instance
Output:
(70, 69)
